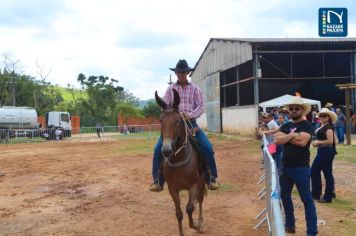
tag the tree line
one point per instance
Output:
(100, 98)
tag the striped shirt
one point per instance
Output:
(191, 99)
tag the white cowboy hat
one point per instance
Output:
(331, 114)
(300, 102)
(329, 104)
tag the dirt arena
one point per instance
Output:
(100, 188)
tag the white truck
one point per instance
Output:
(22, 122)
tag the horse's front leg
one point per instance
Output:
(193, 194)
(179, 213)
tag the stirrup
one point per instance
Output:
(155, 187)
(213, 185)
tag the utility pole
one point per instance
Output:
(170, 80)
(13, 89)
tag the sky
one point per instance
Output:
(137, 41)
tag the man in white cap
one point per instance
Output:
(295, 137)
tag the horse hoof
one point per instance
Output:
(196, 225)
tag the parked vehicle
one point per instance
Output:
(22, 122)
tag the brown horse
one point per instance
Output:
(181, 167)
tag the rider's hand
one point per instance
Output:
(186, 116)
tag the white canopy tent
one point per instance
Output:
(280, 101)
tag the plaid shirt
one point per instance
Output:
(191, 99)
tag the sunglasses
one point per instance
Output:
(294, 108)
(323, 116)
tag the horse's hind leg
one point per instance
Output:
(200, 200)
(179, 213)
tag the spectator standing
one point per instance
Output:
(330, 106)
(125, 129)
(353, 123)
(325, 142)
(340, 126)
(58, 133)
(99, 128)
(295, 137)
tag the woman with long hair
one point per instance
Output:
(325, 142)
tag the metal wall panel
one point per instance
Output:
(219, 55)
(213, 103)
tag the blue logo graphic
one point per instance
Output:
(332, 22)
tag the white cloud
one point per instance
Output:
(137, 41)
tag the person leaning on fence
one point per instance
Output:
(273, 127)
(325, 142)
(192, 106)
(295, 137)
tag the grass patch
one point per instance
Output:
(22, 140)
(222, 137)
(135, 147)
(347, 227)
(67, 96)
(346, 153)
(228, 187)
(341, 204)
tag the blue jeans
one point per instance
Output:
(323, 162)
(205, 147)
(300, 176)
(340, 132)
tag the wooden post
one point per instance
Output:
(348, 117)
(347, 88)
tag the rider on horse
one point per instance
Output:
(192, 106)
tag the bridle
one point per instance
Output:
(186, 160)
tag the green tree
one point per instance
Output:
(101, 102)
(127, 97)
(152, 109)
(4, 87)
(128, 111)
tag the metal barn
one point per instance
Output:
(236, 75)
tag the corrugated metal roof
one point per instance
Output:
(287, 40)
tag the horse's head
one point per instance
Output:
(171, 124)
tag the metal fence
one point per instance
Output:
(271, 192)
(82, 134)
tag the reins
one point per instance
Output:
(185, 161)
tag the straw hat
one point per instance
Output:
(332, 114)
(300, 102)
(329, 104)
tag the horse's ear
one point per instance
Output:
(160, 102)
(176, 99)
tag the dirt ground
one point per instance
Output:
(100, 188)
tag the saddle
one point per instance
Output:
(203, 165)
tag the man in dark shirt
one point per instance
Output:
(295, 137)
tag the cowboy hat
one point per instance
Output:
(329, 104)
(182, 66)
(331, 114)
(300, 102)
